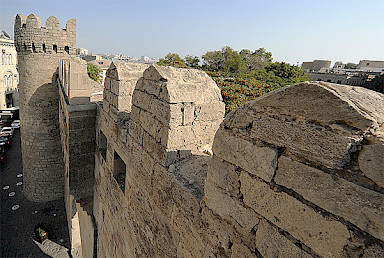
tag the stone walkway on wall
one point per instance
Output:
(17, 226)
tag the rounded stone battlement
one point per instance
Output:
(32, 38)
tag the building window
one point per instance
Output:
(44, 48)
(66, 48)
(367, 64)
(34, 48)
(338, 81)
(119, 171)
(103, 145)
(55, 48)
(10, 80)
(10, 59)
(3, 58)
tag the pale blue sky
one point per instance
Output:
(293, 30)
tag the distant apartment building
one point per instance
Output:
(9, 77)
(315, 65)
(81, 51)
(366, 71)
(353, 79)
(91, 57)
(371, 66)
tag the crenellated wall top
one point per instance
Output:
(32, 37)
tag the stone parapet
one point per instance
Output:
(304, 160)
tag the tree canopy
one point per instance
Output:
(350, 66)
(94, 72)
(241, 76)
(172, 59)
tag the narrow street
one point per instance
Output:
(19, 216)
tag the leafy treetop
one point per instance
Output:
(94, 72)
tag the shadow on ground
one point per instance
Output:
(17, 226)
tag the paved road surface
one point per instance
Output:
(17, 226)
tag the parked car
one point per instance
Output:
(15, 124)
(7, 130)
(5, 141)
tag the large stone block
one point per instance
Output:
(210, 112)
(271, 243)
(260, 161)
(218, 171)
(371, 163)
(326, 237)
(309, 141)
(157, 151)
(150, 124)
(225, 206)
(361, 206)
(180, 137)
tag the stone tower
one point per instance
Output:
(39, 50)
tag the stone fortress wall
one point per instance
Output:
(39, 49)
(295, 173)
(77, 116)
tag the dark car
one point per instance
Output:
(5, 141)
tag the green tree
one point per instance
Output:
(350, 66)
(213, 61)
(94, 72)
(256, 60)
(172, 59)
(289, 73)
(226, 60)
(233, 62)
(192, 61)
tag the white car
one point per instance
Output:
(7, 130)
(15, 124)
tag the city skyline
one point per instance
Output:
(294, 31)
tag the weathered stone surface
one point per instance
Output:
(226, 206)
(43, 169)
(210, 111)
(326, 103)
(241, 250)
(271, 243)
(361, 206)
(315, 121)
(185, 85)
(374, 251)
(260, 161)
(218, 171)
(371, 162)
(325, 237)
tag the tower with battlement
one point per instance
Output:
(39, 50)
